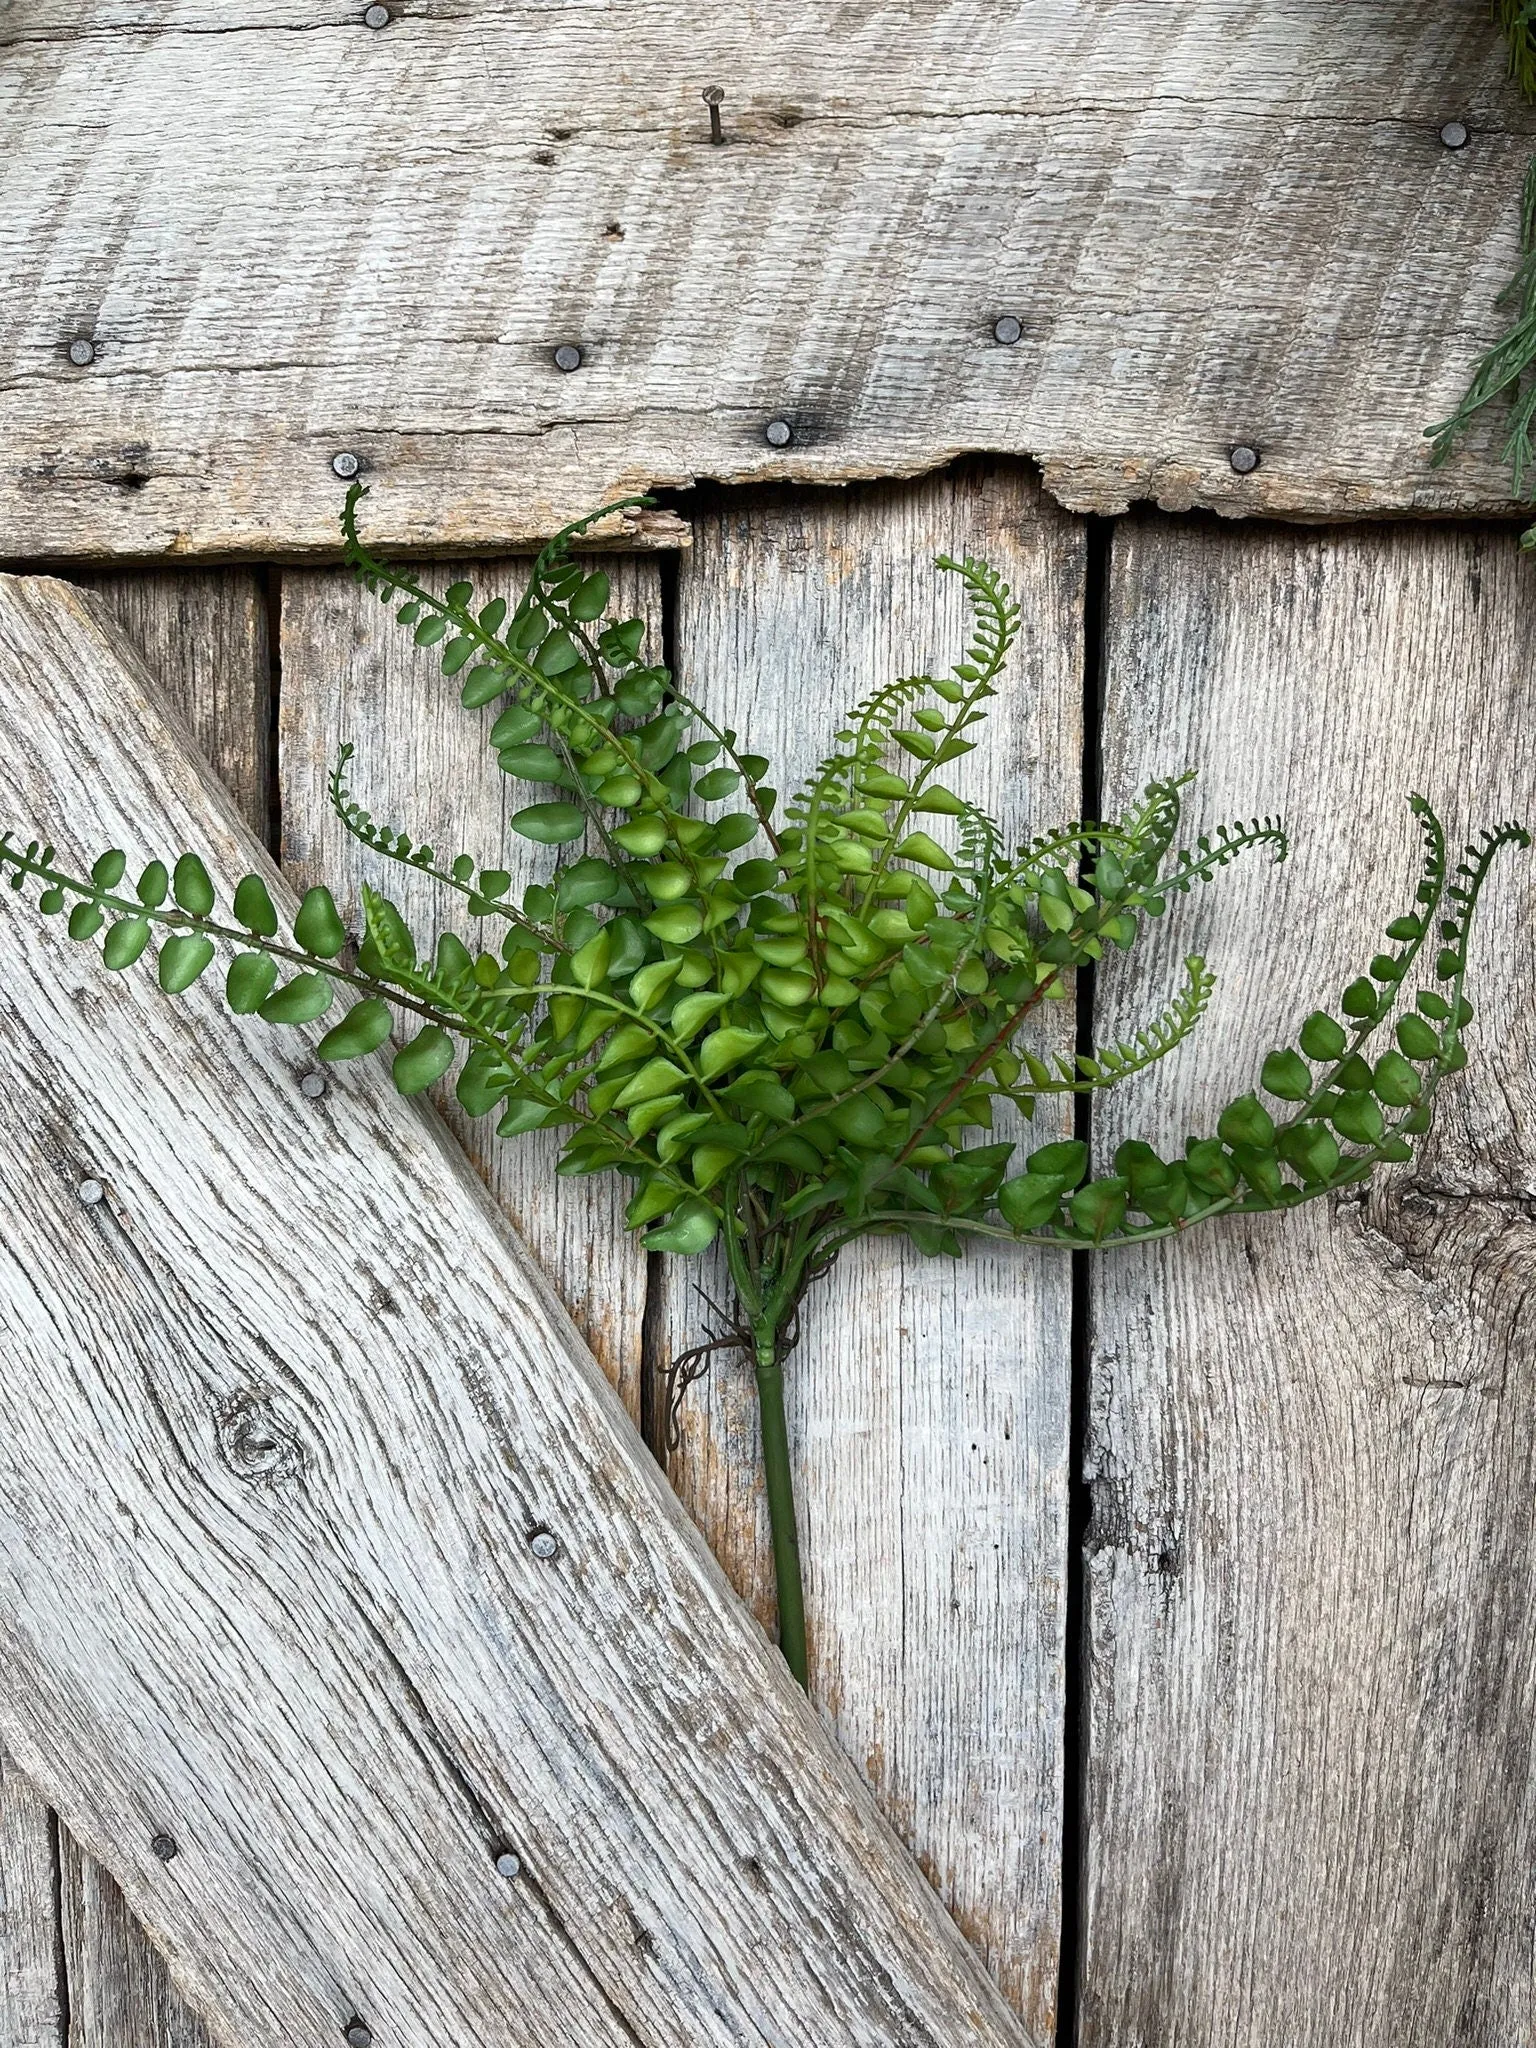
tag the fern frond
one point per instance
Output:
(1107, 1065)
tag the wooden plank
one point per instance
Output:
(1252, 233)
(121, 1994)
(928, 1399)
(348, 672)
(1312, 1787)
(31, 2011)
(287, 1407)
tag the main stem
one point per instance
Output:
(778, 1478)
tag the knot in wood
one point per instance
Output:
(256, 1444)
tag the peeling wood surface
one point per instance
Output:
(349, 672)
(273, 1454)
(927, 1399)
(31, 2009)
(1312, 1771)
(292, 235)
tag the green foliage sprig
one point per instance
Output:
(791, 1028)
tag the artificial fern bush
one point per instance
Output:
(789, 1025)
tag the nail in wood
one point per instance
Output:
(713, 95)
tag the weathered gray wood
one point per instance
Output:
(121, 1994)
(31, 2013)
(284, 1410)
(1312, 1781)
(928, 1399)
(350, 673)
(293, 236)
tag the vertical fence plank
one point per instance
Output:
(928, 1399)
(31, 2008)
(349, 672)
(204, 636)
(1312, 1808)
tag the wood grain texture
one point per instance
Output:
(121, 1994)
(1312, 1781)
(31, 2009)
(285, 1409)
(423, 762)
(927, 1399)
(292, 235)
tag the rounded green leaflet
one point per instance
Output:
(110, 869)
(1360, 998)
(1420, 1041)
(191, 886)
(655, 1198)
(550, 824)
(249, 982)
(515, 725)
(1395, 1082)
(1261, 1169)
(318, 926)
(589, 964)
(51, 902)
(1359, 1118)
(1099, 1208)
(641, 836)
(727, 1048)
(363, 1030)
(125, 943)
(1064, 1162)
(85, 921)
(591, 598)
(482, 685)
(676, 923)
(917, 846)
(692, 1229)
(1246, 1122)
(1029, 1201)
(859, 1120)
(533, 761)
(426, 1059)
(1323, 1037)
(254, 908)
(522, 1115)
(1287, 1075)
(1312, 1149)
(182, 960)
(154, 885)
(717, 785)
(299, 1001)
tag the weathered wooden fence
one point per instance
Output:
(1176, 1612)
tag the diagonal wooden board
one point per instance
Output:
(282, 1413)
(286, 235)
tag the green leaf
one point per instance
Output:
(654, 1080)
(926, 852)
(363, 1030)
(651, 983)
(1395, 1082)
(516, 724)
(1029, 1201)
(643, 837)
(719, 783)
(550, 824)
(1099, 1208)
(694, 1011)
(182, 960)
(1209, 1167)
(936, 798)
(125, 943)
(250, 981)
(1322, 1038)
(1065, 1162)
(254, 907)
(1312, 1149)
(1358, 1117)
(589, 964)
(591, 598)
(192, 887)
(426, 1059)
(1418, 1039)
(522, 1115)
(534, 762)
(1246, 1122)
(299, 1001)
(1360, 998)
(675, 923)
(318, 926)
(85, 921)
(110, 869)
(727, 1048)
(1287, 1075)
(692, 1229)
(154, 885)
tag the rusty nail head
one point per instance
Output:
(778, 433)
(567, 356)
(345, 463)
(508, 1863)
(90, 1192)
(1007, 330)
(164, 1845)
(376, 17)
(82, 350)
(312, 1085)
(1455, 134)
(544, 1543)
(1244, 460)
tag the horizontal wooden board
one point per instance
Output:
(1311, 1805)
(290, 236)
(287, 1406)
(927, 1398)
